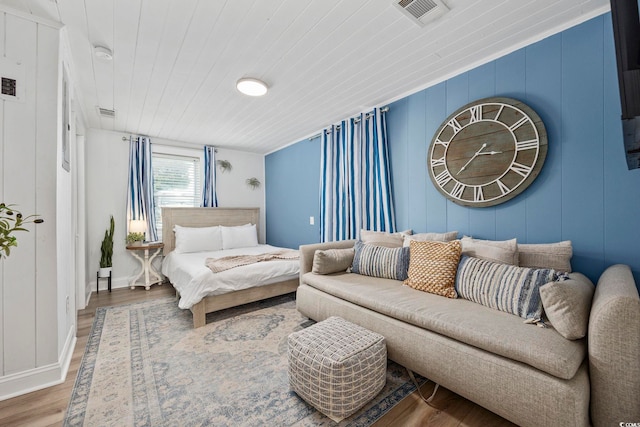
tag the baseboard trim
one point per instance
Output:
(42, 377)
(116, 283)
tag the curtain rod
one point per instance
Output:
(124, 138)
(357, 120)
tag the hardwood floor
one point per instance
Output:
(47, 407)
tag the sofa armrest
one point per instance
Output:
(614, 348)
(308, 251)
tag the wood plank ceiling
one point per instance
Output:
(175, 62)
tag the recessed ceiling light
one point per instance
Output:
(252, 87)
(103, 52)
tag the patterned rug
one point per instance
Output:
(145, 365)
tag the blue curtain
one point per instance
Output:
(355, 186)
(209, 198)
(140, 204)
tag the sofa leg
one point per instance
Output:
(430, 398)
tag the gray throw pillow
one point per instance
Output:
(379, 261)
(567, 304)
(502, 251)
(546, 255)
(382, 238)
(505, 287)
(430, 237)
(332, 260)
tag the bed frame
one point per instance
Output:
(207, 217)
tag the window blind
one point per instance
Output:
(176, 182)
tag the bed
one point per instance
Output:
(191, 278)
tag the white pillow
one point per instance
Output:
(242, 236)
(197, 239)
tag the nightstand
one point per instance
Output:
(145, 264)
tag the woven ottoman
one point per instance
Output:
(337, 366)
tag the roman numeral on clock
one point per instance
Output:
(529, 144)
(520, 169)
(503, 188)
(445, 144)
(519, 123)
(476, 113)
(458, 189)
(455, 125)
(443, 178)
(438, 162)
(478, 195)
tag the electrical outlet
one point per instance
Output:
(312, 220)
(67, 304)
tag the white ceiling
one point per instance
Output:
(176, 62)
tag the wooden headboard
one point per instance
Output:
(204, 217)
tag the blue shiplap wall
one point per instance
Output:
(292, 194)
(584, 193)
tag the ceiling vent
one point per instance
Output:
(105, 112)
(421, 11)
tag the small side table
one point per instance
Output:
(145, 264)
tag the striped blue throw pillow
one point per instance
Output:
(504, 287)
(378, 261)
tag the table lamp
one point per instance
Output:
(138, 226)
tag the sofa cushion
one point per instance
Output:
(567, 304)
(332, 260)
(432, 267)
(430, 237)
(546, 255)
(503, 251)
(504, 287)
(381, 238)
(465, 321)
(380, 261)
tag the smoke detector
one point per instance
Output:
(421, 11)
(103, 52)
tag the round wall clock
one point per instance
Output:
(487, 152)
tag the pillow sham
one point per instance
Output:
(380, 261)
(546, 255)
(567, 304)
(242, 236)
(332, 260)
(504, 287)
(432, 267)
(197, 239)
(382, 238)
(502, 251)
(430, 237)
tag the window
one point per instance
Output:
(176, 180)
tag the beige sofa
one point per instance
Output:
(531, 376)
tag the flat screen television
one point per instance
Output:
(626, 34)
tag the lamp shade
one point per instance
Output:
(137, 226)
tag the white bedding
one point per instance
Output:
(194, 280)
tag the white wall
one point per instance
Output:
(232, 189)
(36, 331)
(106, 171)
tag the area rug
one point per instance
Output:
(145, 365)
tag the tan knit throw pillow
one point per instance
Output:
(433, 267)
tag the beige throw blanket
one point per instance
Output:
(225, 263)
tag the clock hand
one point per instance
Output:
(473, 157)
(491, 152)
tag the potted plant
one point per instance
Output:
(254, 183)
(135, 239)
(12, 220)
(107, 251)
(225, 165)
